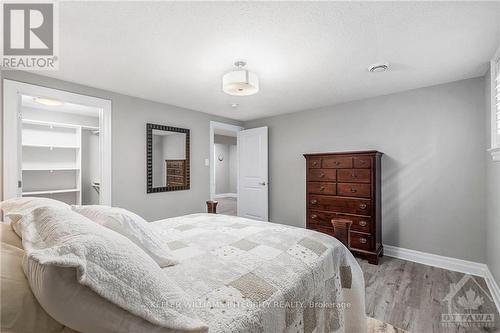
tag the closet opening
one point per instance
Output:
(58, 145)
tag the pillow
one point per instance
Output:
(7, 235)
(20, 310)
(77, 268)
(131, 226)
(77, 306)
(15, 209)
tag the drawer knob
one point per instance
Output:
(313, 202)
(322, 188)
(362, 206)
(362, 223)
(315, 163)
(337, 163)
(314, 216)
(322, 175)
(353, 175)
(362, 161)
(353, 190)
(362, 240)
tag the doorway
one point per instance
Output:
(58, 145)
(224, 166)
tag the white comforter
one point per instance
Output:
(235, 275)
(250, 276)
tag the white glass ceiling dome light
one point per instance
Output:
(47, 101)
(240, 82)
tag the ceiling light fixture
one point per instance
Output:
(47, 101)
(378, 68)
(240, 82)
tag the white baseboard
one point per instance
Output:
(493, 286)
(226, 195)
(452, 264)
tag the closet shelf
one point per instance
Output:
(55, 124)
(50, 146)
(50, 169)
(51, 191)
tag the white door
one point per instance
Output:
(252, 174)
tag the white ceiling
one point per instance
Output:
(307, 54)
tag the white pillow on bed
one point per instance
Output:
(131, 226)
(19, 309)
(77, 306)
(17, 208)
(88, 277)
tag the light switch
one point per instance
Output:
(207, 162)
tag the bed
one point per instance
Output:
(242, 275)
(303, 280)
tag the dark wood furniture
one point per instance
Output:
(175, 172)
(344, 198)
(212, 207)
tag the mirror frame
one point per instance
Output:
(149, 158)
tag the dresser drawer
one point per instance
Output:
(314, 162)
(359, 223)
(328, 231)
(337, 162)
(322, 188)
(362, 162)
(361, 241)
(177, 172)
(322, 219)
(354, 175)
(340, 205)
(178, 164)
(322, 174)
(354, 190)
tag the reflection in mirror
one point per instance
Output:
(168, 165)
(169, 158)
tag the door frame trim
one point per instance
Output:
(11, 91)
(223, 126)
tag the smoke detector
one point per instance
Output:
(378, 68)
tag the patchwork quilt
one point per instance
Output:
(250, 276)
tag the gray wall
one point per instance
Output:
(233, 169)
(225, 171)
(224, 139)
(90, 167)
(492, 196)
(221, 168)
(433, 195)
(129, 118)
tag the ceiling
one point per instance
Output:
(307, 54)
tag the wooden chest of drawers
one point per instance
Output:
(347, 186)
(175, 172)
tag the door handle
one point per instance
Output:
(262, 183)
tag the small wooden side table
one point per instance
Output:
(212, 207)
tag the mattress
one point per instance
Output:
(250, 276)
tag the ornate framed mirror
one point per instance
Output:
(167, 158)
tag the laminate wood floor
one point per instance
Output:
(411, 296)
